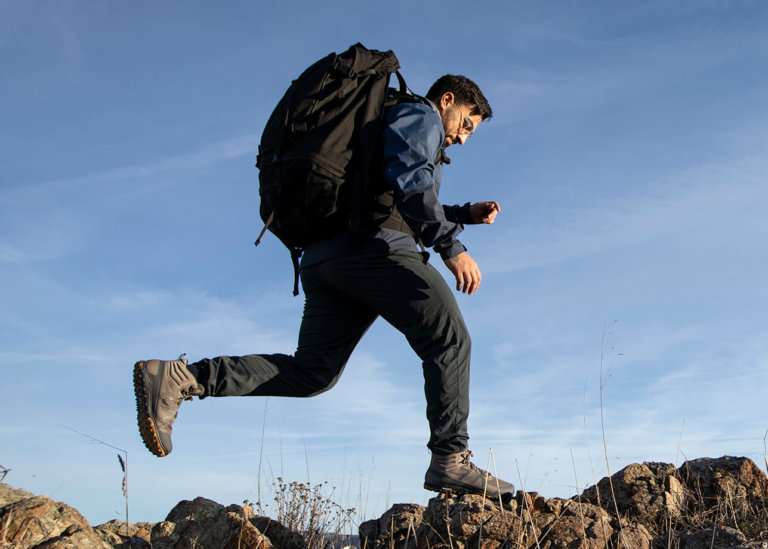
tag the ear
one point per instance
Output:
(447, 100)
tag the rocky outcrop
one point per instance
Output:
(529, 521)
(121, 535)
(37, 522)
(28, 521)
(205, 523)
(705, 503)
(719, 503)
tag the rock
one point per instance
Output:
(706, 503)
(39, 522)
(280, 536)
(121, 536)
(205, 523)
(649, 492)
(466, 521)
(658, 505)
(733, 482)
(9, 494)
(398, 524)
(713, 537)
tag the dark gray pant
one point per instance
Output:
(343, 298)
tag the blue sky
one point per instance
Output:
(627, 150)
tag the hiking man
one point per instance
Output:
(351, 279)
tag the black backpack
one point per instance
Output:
(318, 145)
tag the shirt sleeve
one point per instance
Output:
(412, 139)
(458, 214)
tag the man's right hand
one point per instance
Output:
(466, 271)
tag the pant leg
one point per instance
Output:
(414, 298)
(331, 327)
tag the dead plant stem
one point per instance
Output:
(605, 444)
(125, 473)
(526, 506)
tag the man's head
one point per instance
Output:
(462, 106)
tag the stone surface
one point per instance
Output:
(646, 492)
(9, 494)
(205, 523)
(706, 503)
(397, 524)
(280, 536)
(119, 535)
(38, 521)
(736, 483)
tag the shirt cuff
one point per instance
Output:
(458, 214)
(452, 249)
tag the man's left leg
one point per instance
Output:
(414, 298)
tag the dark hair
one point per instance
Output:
(465, 91)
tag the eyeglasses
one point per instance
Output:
(467, 126)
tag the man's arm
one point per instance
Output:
(411, 140)
(466, 272)
(484, 212)
(462, 266)
(472, 214)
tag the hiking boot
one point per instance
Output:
(456, 473)
(160, 387)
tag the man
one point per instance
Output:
(351, 279)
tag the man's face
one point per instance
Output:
(459, 125)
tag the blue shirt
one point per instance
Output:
(411, 143)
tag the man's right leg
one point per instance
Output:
(331, 327)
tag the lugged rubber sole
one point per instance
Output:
(444, 490)
(147, 426)
(505, 498)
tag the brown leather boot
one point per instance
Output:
(160, 386)
(456, 473)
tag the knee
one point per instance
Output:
(317, 384)
(318, 373)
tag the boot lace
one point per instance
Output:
(465, 460)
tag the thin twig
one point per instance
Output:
(592, 467)
(765, 448)
(557, 519)
(498, 484)
(123, 464)
(526, 506)
(605, 444)
(679, 443)
(261, 455)
(578, 496)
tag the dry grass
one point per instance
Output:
(310, 510)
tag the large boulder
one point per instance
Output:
(121, 535)
(530, 520)
(9, 494)
(649, 493)
(205, 523)
(733, 484)
(398, 524)
(38, 522)
(704, 503)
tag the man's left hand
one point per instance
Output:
(484, 212)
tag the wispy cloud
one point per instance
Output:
(205, 156)
(35, 227)
(695, 198)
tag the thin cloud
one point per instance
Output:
(702, 196)
(205, 156)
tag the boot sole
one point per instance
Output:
(147, 427)
(505, 498)
(445, 490)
